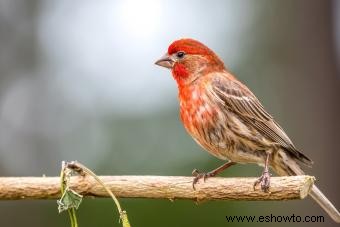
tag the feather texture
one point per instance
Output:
(238, 99)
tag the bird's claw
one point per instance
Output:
(264, 181)
(198, 175)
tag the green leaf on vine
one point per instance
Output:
(70, 199)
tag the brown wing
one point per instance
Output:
(240, 100)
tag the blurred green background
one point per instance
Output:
(77, 82)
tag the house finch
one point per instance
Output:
(227, 120)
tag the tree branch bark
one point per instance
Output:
(157, 187)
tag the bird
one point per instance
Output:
(226, 119)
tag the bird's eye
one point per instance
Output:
(180, 54)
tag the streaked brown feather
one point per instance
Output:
(238, 99)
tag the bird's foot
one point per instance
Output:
(199, 175)
(264, 181)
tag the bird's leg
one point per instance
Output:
(198, 175)
(264, 180)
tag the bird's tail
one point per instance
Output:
(284, 164)
(322, 200)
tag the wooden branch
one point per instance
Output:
(157, 187)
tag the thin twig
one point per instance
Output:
(81, 169)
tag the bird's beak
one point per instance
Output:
(166, 61)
